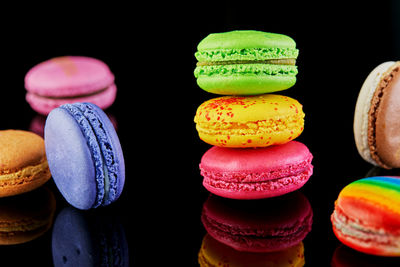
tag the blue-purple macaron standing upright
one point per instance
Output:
(84, 154)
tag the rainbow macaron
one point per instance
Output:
(69, 79)
(246, 62)
(249, 121)
(367, 216)
(256, 173)
(377, 117)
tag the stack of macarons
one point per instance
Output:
(251, 130)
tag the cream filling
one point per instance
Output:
(74, 96)
(22, 226)
(284, 61)
(106, 180)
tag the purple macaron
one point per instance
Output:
(84, 154)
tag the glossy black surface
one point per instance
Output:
(149, 48)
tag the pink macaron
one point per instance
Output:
(255, 173)
(69, 79)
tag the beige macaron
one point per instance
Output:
(23, 163)
(377, 117)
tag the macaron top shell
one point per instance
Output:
(246, 45)
(68, 76)
(250, 108)
(19, 149)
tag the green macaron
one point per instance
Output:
(246, 63)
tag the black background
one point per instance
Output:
(150, 49)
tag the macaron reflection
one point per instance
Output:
(214, 253)
(347, 257)
(88, 239)
(26, 217)
(377, 171)
(258, 225)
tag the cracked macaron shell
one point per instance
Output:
(367, 215)
(252, 121)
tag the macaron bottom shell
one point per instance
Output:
(245, 84)
(251, 134)
(257, 190)
(361, 239)
(43, 105)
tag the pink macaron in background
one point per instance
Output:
(69, 79)
(258, 172)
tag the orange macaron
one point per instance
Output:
(23, 163)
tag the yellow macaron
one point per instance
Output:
(249, 121)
